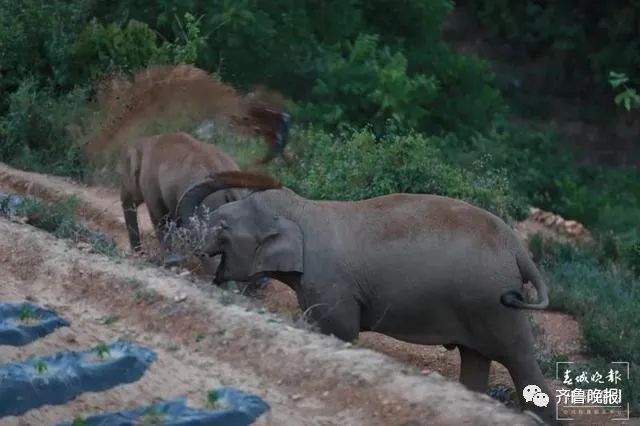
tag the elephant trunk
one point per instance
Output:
(197, 192)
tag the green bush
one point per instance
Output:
(356, 165)
(367, 83)
(34, 42)
(35, 130)
(58, 218)
(106, 49)
(353, 60)
(576, 43)
(603, 296)
(549, 177)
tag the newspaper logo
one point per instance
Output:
(592, 392)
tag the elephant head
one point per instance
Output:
(217, 198)
(251, 239)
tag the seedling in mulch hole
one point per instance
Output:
(213, 400)
(102, 351)
(79, 421)
(40, 366)
(110, 319)
(26, 314)
(153, 416)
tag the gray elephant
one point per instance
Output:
(425, 269)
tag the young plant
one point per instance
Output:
(102, 351)
(109, 319)
(40, 366)
(153, 416)
(213, 399)
(628, 96)
(79, 421)
(26, 314)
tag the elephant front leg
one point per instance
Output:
(130, 211)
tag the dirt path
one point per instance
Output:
(97, 207)
(203, 341)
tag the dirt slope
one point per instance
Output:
(100, 207)
(202, 342)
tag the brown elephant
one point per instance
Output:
(156, 171)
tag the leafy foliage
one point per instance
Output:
(35, 129)
(579, 42)
(628, 96)
(356, 165)
(106, 49)
(603, 297)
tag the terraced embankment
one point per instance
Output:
(202, 342)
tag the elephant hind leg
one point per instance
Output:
(474, 369)
(524, 370)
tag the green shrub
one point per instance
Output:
(367, 83)
(34, 41)
(58, 219)
(356, 165)
(604, 298)
(575, 44)
(350, 60)
(35, 130)
(113, 48)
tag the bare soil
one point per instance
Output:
(204, 341)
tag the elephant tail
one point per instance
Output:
(529, 272)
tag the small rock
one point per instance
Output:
(424, 372)
(348, 344)
(184, 273)
(325, 394)
(83, 246)
(296, 397)
(180, 297)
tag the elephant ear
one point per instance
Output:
(281, 248)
